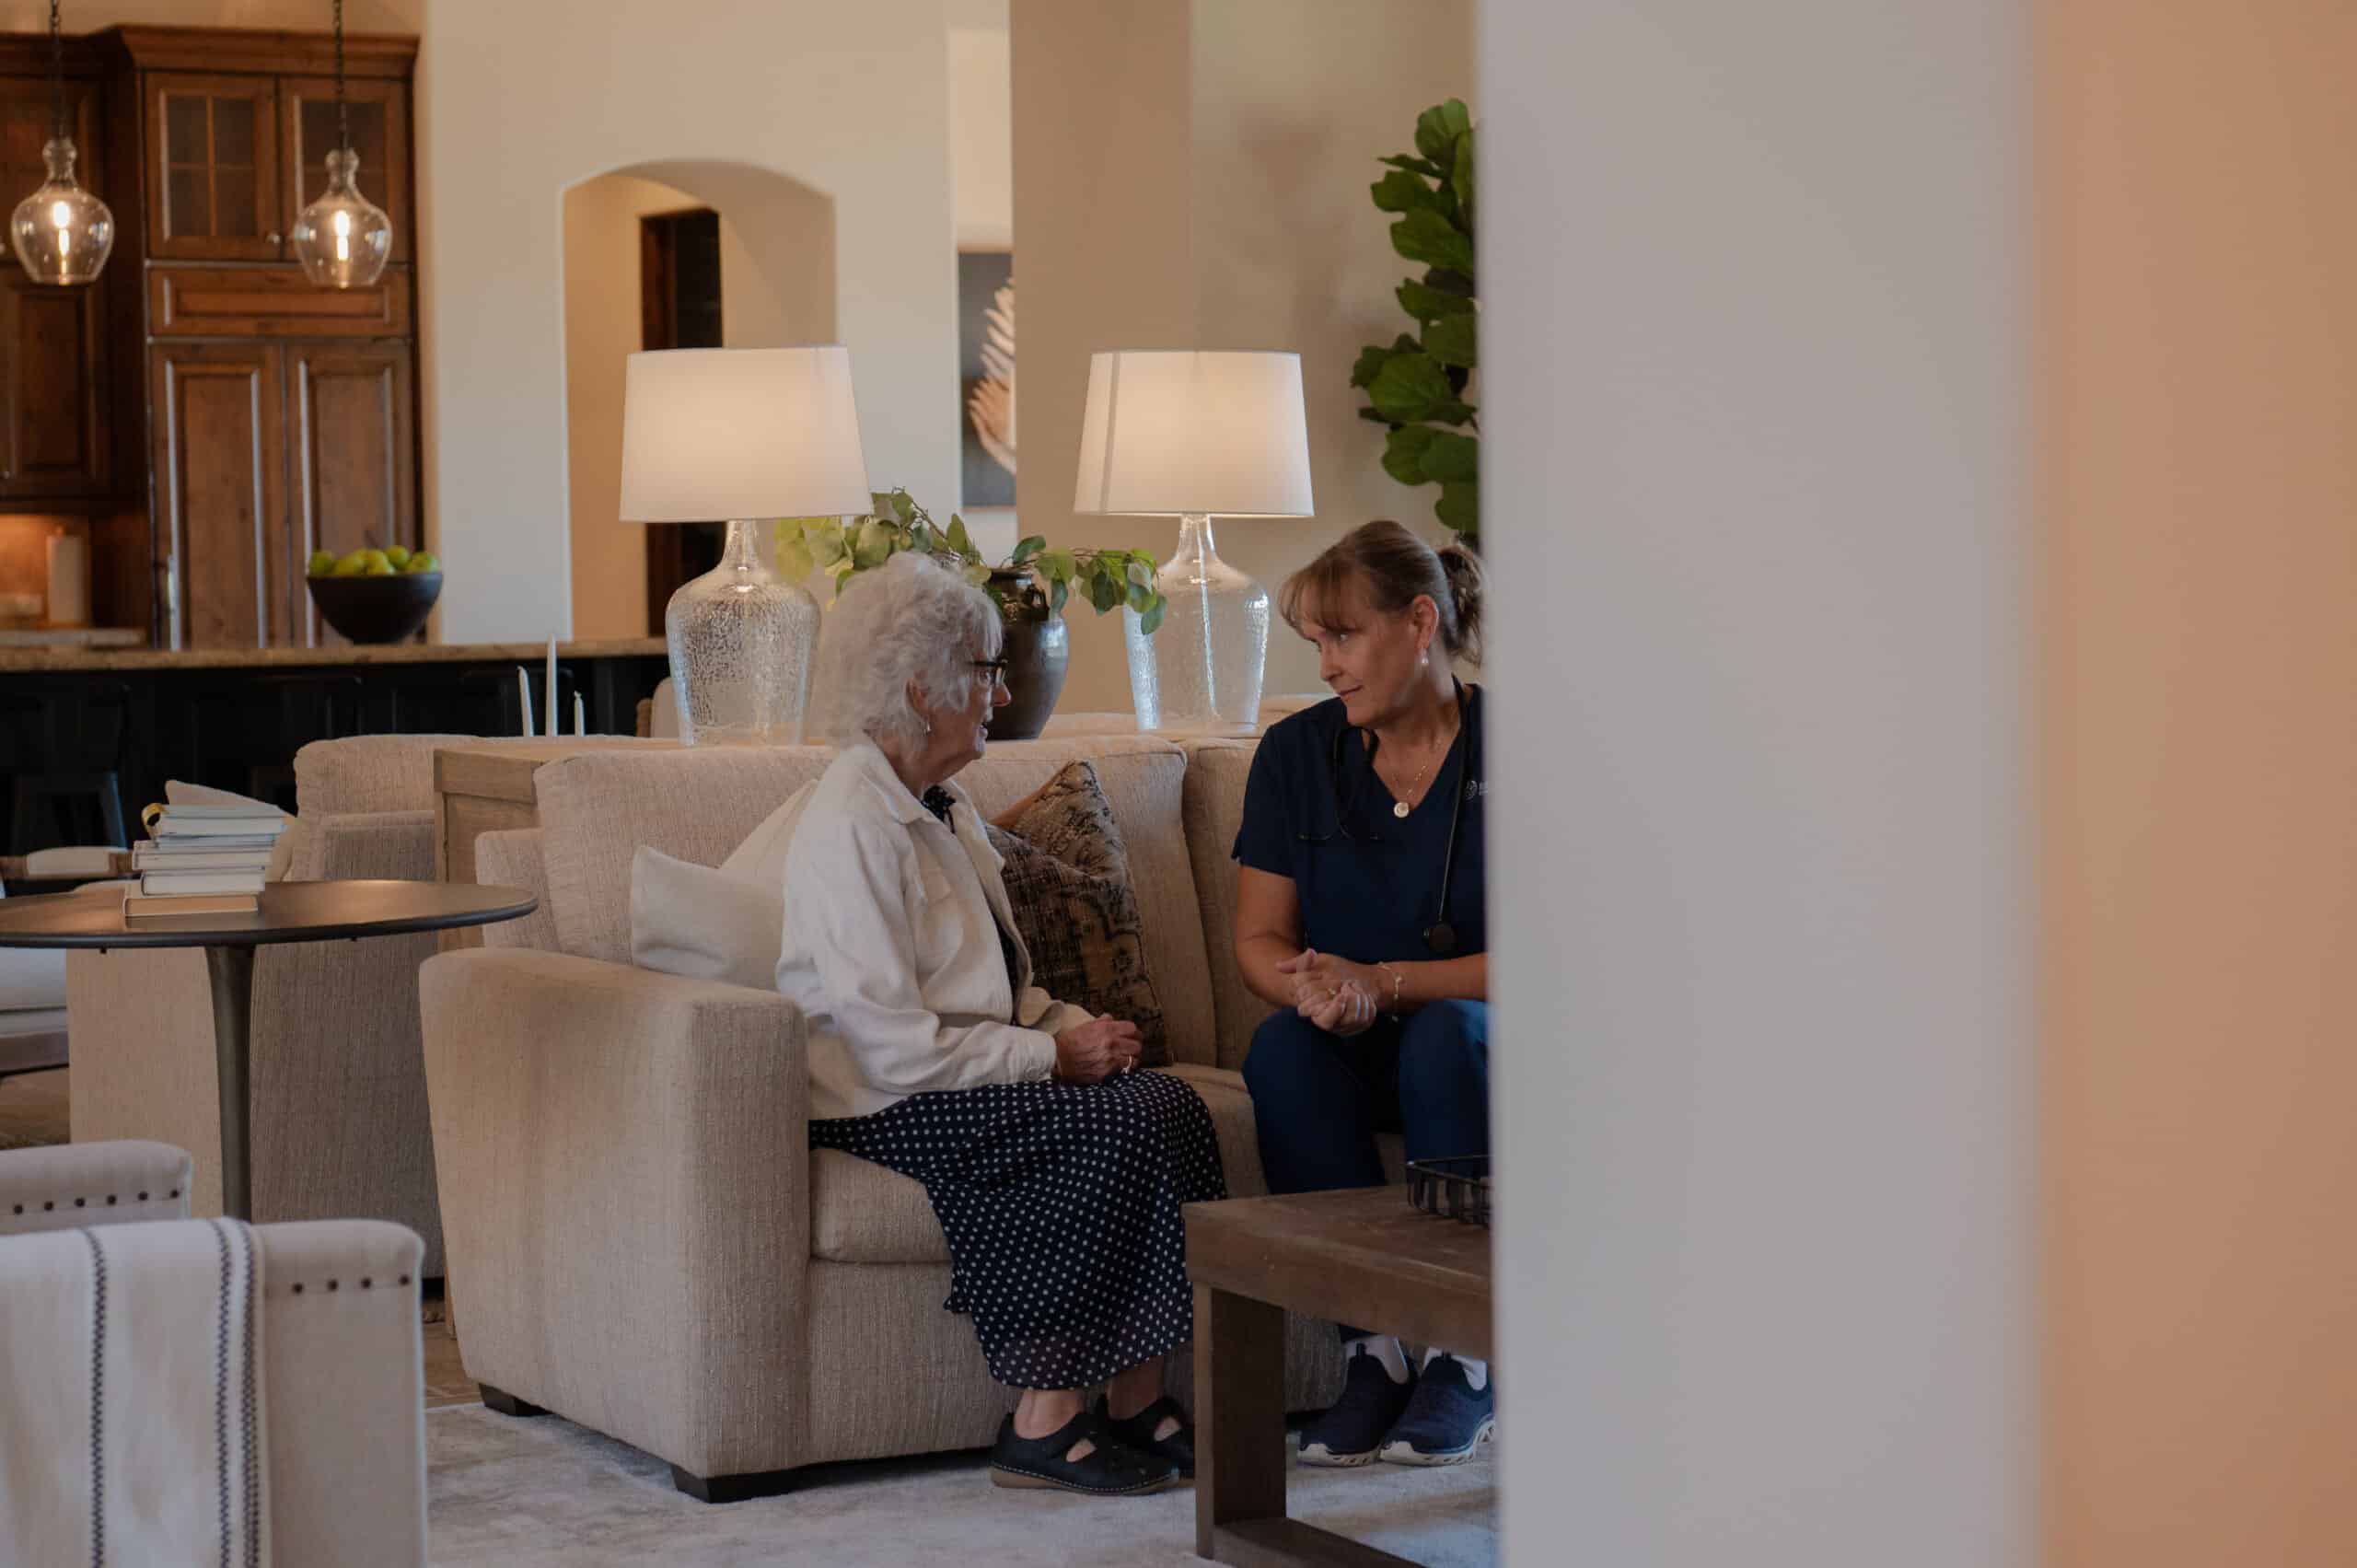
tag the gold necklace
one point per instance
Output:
(1400, 806)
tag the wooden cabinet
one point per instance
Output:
(53, 429)
(52, 436)
(307, 133)
(215, 190)
(220, 473)
(264, 453)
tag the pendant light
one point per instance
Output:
(62, 233)
(342, 238)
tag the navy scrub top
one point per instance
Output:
(1368, 895)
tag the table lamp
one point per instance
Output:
(1193, 435)
(711, 433)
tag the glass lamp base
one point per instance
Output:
(741, 639)
(1200, 673)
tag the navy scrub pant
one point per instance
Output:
(1319, 1100)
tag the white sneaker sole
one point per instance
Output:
(1403, 1454)
(1325, 1457)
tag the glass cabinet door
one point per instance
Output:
(216, 194)
(379, 134)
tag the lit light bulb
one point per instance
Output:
(342, 239)
(62, 233)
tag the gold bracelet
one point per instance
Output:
(1387, 969)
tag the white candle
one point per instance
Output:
(580, 716)
(69, 580)
(524, 696)
(549, 726)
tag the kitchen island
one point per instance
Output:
(88, 734)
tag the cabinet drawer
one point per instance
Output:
(257, 302)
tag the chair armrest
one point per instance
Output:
(625, 1168)
(68, 1185)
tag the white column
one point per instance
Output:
(1754, 328)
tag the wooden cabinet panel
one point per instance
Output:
(308, 131)
(252, 302)
(354, 456)
(214, 185)
(53, 444)
(220, 456)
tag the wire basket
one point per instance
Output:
(1456, 1189)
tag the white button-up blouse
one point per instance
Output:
(891, 947)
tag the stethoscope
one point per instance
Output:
(1440, 937)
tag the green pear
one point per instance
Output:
(398, 555)
(425, 561)
(322, 563)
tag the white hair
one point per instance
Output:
(907, 621)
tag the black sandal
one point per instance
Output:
(1110, 1468)
(1137, 1432)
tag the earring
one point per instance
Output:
(1424, 661)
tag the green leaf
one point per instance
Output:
(825, 539)
(1370, 365)
(1031, 545)
(1140, 572)
(794, 559)
(904, 506)
(1139, 597)
(1400, 191)
(1375, 414)
(1416, 165)
(874, 545)
(1425, 236)
(1460, 506)
(1410, 385)
(1452, 341)
(1058, 592)
(1450, 459)
(1105, 591)
(1460, 176)
(1055, 565)
(1426, 303)
(1150, 618)
(957, 536)
(1437, 128)
(976, 575)
(1403, 452)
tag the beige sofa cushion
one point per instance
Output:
(698, 805)
(1215, 810)
(370, 773)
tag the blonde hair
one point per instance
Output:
(1392, 567)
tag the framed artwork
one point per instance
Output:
(986, 376)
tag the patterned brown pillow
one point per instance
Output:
(1068, 878)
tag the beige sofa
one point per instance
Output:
(339, 1086)
(342, 1367)
(640, 1237)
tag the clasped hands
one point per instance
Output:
(1333, 994)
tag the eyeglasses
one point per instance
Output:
(997, 667)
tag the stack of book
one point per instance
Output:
(203, 860)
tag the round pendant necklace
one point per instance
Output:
(1400, 808)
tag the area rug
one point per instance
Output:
(522, 1493)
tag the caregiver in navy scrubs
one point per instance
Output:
(1360, 915)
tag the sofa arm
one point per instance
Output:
(68, 1185)
(623, 1159)
(345, 1373)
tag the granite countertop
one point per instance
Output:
(20, 659)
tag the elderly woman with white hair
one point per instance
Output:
(1056, 1169)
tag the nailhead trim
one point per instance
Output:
(331, 1284)
(109, 1199)
(20, 1208)
(298, 1287)
(142, 1197)
(366, 1282)
(79, 1202)
(47, 1204)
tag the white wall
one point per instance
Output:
(1754, 326)
(1195, 176)
(981, 136)
(523, 98)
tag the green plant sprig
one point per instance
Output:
(1416, 386)
(1110, 579)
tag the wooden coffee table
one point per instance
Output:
(1361, 1257)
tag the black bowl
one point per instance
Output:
(376, 609)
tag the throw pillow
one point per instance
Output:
(1067, 877)
(705, 923)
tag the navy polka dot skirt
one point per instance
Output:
(1060, 1205)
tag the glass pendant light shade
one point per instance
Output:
(343, 239)
(62, 233)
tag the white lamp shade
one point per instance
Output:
(723, 434)
(1166, 433)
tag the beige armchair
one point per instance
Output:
(339, 1115)
(640, 1238)
(343, 1368)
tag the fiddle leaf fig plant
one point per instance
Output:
(1415, 387)
(1033, 577)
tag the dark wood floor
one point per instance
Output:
(34, 1110)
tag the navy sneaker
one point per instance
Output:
(1351, 1433)
(1445, 1419)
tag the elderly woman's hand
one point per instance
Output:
(1093, 1052)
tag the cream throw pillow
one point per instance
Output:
(725, 923)
(282, 853)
